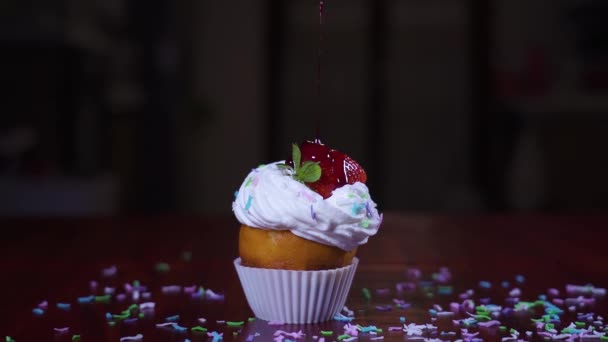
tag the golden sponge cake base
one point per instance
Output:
(281, 249)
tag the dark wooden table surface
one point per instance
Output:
(55, 260)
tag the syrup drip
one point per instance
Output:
(318, 80)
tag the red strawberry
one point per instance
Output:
(337, 168)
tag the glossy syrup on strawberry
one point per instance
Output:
(337, 169)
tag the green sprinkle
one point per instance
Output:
(549, 326)
(9, 339)
(364, 196)
(234, 333)
(133, 307)
(326, 333)
(603, 338)
(366, 293)
(235, 324)
(430, 295)
(201, 290)
(111, 323)
(378, 330)
(483, 318)
(198, 328)
(350, 195)
(512, 331)
(186, 255)
(261, 165)
(502, 328)
(141, 315)
(365, 223)
(248, 182)
(580, 324)
(251, 319)
(163, 267)
(121, 316)
(547, 338)
(342, 337)
(76, 338)
(136, 283)
(102, 299)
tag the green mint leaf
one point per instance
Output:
(283, 166)
(309, 172)
(296, 155)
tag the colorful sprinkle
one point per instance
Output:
(249, 202)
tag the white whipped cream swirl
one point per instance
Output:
(270, 198)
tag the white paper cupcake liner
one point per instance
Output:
(296, 296)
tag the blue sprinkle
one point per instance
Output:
(342, 318)
(249, 200)
(368, 329)
(520, 278)
(172, 318)
(288, 340)
(38, 312)
(186, 340)
(216, 337)
(357, 207)
(505, 284)
(433, 312)
(236, 194)
(485, 284)
(542, 297)
(312, 213)
(179, 328)
(109, 316)
(63, 306)
(402, 319)
(86, 300)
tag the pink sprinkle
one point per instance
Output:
(62, 330)
(190, 289)
(395, 328)
(162, 325)
(377, 338)
(297, 335)
(109, 290)
(93, 285)
(128, 288)
(209, 294)
(171, 289)
(454, 307)
(383, 291)
(350, 329)
(146, 295)
(308, 196)
(553, 292)
(558, 301)
(43, 305)
(147, 306)
(109, 272)
(138, 337)
(121, 296)
(276, 323)
(322, 339)
(406, 286)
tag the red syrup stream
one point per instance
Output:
(318, 80)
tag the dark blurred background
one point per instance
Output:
(116, 107)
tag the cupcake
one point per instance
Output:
(302, 221)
